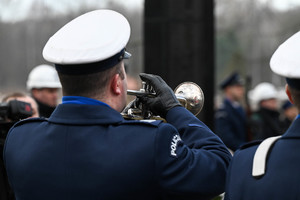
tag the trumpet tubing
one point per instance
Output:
(189, 94)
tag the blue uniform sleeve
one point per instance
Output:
(191, 159)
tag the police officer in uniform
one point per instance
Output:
(230, 117)
(87, 150)
(270, 169)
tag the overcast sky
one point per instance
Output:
(15, 10)
(283, 4)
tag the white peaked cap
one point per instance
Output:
(263, 91)
(89, 38)
(286, 59)
(43, 76)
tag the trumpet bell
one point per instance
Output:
(191, 96)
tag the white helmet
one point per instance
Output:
(263, 91)
(43, 76)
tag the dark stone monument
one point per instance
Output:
(179, 45)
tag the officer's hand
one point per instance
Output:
(165, 98)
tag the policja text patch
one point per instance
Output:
(174, 143)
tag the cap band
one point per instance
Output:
(234, 79)
(294, 83)
(89, 68)
(286, 105)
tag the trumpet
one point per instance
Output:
(189, 94)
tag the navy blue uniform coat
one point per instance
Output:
(91, 152)
(231, 125)
(281, 180)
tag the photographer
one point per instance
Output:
(11, 111)
(24, 98)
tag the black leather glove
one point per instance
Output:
(165, 98)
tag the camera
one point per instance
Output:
(15, 110)
(10, 113)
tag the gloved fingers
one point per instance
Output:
(145, 100)
(153, 80)
(149, 101)
(151, 104)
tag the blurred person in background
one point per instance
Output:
(270, 169)
(25, 98)
(43, 84)
(6, 122)
(230, 117)
(265, 121)
(289, 113)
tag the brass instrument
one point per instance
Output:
(189, 94)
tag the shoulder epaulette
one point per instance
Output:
(28, 120)
(146, 122)
(250, 144)
(261, 155)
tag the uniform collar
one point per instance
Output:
(293, 130)
(81, 100)
(85, 114)
(234, 104)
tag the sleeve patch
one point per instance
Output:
(174, 143)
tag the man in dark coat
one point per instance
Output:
(265, 121)
(87, 150)
(44, 86)
(289, 112)
(230, 118)
(270, 170)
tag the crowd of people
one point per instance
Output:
(246, 117)
(254, 115)
(82, 147)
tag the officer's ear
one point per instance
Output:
(288, 92)
(116, 84)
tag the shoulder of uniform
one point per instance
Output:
(221, 112)
(222, 106)
(24, 121)
(143, 122)
(250, 144)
